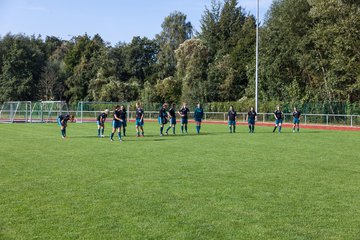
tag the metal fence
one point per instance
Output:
(90, 116)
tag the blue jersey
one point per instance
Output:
(139, 113)
(252, 115)
(162, 113)
(184, 112)
(117, 114)
(296, 114)
(232, 115)
(198, 113)
(123, 115)
(172, 113)
(102, 117)
(64, 118)
(278, 114)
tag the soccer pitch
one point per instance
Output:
(210, 186)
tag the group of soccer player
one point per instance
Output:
(166, 115)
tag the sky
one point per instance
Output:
(114, 20)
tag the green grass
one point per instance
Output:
(212, 186)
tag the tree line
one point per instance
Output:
(309, 52)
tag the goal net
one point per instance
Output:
(48, 111)
(15, 111)
(88, 111)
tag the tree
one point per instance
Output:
(22, 64)
(175, 30)
(192, 62)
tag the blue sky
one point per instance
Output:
(114, 20)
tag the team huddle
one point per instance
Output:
(168, 116)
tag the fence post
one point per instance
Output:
(205, 116)
(305, 118)
(351, 123)
(224, 118)
(327, 119)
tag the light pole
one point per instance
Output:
(257, 57)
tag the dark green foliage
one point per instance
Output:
(309, 53)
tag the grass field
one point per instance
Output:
(210, 186)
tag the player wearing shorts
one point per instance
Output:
(116, 123)
(100, 121)
(278, 114)
(296, 114)
(172, 116)
(123, 117)
(139, 122)
(183, 112)
(163, 117)
(198, 116)
(62, 122)
(232, 119)
(251, 118)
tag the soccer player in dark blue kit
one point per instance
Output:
(123, 117)
(278, 114)
(139, 122)
(232, 119)
(251, 118)
(183, 112)
(62, 122)
(163, 117)
(198, 116)
(100, 121)
(296, 114)
(172, 116)
(116, 123)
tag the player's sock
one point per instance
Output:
(230, 129)
(99, 132)
(161, 130)
(197, 129)
(252, 128)
(280, 129)
(119, 135)
(142, 133)
(274, 128)
(62, 133)
(182, 129)
(102, 131)
(173, 130)
(124, 131)
(298, 129)
(168, 129)
(234, 128)
(111, 135)
(186, 128)
(138, 133)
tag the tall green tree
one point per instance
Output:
(175, 30)
(22, 64)
(192, 63)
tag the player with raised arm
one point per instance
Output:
(123, 117)
(296, 114)
(100, 121)
(139, 122)
(278, 114)
(232, 119)
(62, 122)
(172, 116)
(163, 117)
(183, 112)
(116, 123)
(251, 118)
(198, 116)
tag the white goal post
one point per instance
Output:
(88, 111)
